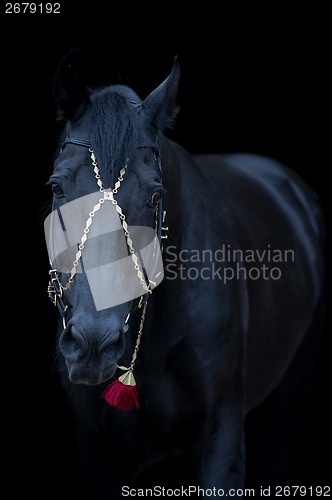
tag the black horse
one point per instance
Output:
(231, 328)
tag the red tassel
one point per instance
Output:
(122, 394)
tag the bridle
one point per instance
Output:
(56, 290)
(122, 393)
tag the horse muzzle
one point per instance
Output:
(91, 358)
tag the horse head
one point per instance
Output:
(104, 232)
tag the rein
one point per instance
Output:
(122, 394)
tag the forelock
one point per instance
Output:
(114, 128)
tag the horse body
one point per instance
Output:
(290, 219)
(214, 345)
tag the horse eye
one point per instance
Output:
(57, 190)
(155, 199)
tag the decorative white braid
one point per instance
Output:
(107, 195)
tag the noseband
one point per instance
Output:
(55, 288)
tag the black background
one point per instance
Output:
(250, 82)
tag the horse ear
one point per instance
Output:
(160, 105)
(70, 89)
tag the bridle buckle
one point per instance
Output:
(54, 291)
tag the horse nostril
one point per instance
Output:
(69, 342)
(113, 346)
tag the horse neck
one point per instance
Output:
(183, 182)
(171, 180)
